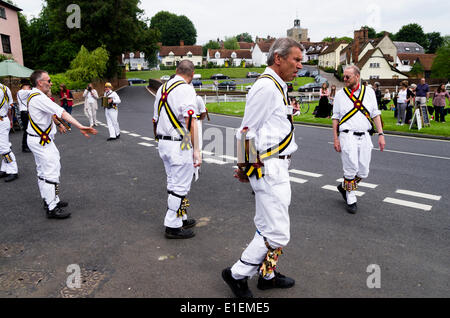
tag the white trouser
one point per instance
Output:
(272, 198)
(111, 120)
(179, 170)
(90, 110)
(9, 164)
(421, 101)
(356, 152)
(48, 169)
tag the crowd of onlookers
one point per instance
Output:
(401, 101)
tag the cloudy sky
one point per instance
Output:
(322, 18)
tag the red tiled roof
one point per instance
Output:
(246, 45)
(181, 50)
(426, 60)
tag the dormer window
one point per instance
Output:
(417, 49)
(217, 55)
(233, 55)
(131, 55)
(171, 53)
(189, 54)
(142, 55)
(406, 48)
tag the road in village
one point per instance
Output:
(118, 201)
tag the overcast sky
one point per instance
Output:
(322, 18)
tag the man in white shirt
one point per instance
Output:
(41, 131)
(111, 112)
(268, 121)
(90, 104)
(22, 95)
(355, 116)
(175, 128)
(8, 169)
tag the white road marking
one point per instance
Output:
(146, 144)
(125, 131)
(211, 160)
(207, 152)
(147, 138)
(306, 173)
(419, 194)
(333, 188)
(362, 184)
(409, 204)
(410, 153)
(135, 135)
(228, 157)
(297, 180)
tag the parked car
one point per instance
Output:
(314, 73)
(219, 76)
(303, 73)
(310, 87)
(197, 83)
(320, 79)
(165, 78)
(228, 85)
(253, 74)
(197, 76)
(290, 87)
(136, 81)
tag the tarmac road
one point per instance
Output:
(118, 199)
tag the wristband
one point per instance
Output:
(380, 134)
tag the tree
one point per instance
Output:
(441, 64)
(174, 28)
(88, 66)
(417, 69)
(213, 45)
(346, 39)
(244, 37)
(117, 25)
(231, 43)
(412, 33)
(435, 41)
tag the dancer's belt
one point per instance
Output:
(356, 133)
(168, 138)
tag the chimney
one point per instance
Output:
(358, 36)
(366, 34)
(181, 42)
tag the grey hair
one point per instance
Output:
(36, 76)
(354, 68)
(185, 67)
(282, 47)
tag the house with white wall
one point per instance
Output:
(173, 55)
(229, 57)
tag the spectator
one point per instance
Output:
(386, 99)
(323, 110)
(22, 96)
(410, 96)
(49, 94)
(66, 99)
(332, 96)
(378, 94)
(422, 95)
(90, 104)
(439, 102)
(402, 101)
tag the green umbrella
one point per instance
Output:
(12, 69)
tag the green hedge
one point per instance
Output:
(62, 78)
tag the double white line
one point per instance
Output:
(411, 204)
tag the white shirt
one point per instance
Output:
(8, 101)
(200, 105)
(402, 96)
(22, 96)
(266, 115)
(114, 96)
(181, 100)
(358, 122)
(41, 110)
(91, 97)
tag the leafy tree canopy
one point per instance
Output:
(174, 28)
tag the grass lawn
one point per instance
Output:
(438, 129)
(233, 73)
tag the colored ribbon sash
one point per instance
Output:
(256, 168)
(45, 139)
(5, 98)
(163, 102)
(357, 106)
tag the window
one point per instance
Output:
(189, 54)
(217, 55)
(406, 48)
(2, 13)
(168, 63)
(374, 77)
(417, 49)
(405, 62)
(6, 44)
(233, 55)
(131, 55)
